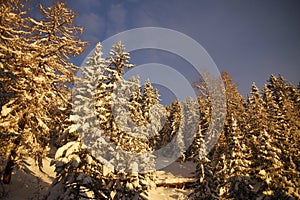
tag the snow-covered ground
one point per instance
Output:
(34, 184)
(30, 185)
(173, 172)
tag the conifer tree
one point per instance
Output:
(110, 173)
(238, 181)
(281, 103)
(256, 156)
(231, 156)
(205, 186)
(150, 98)
(204, 102)
(135, 106)
(35, 70)
(180, 129)
(171, 126)
(266, 163)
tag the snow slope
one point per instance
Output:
(34, 184)
(30, 185)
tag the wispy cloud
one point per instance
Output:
(244, 38)
(93, 25)
(117, 19)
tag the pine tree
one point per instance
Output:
(142, 101)
(267, 166)
(205, 187)
(171, 126)
(238, 181)
(135, 106)
(35, 71)
(231, 155)
(282, 103)
(180, 129)
(150, 98)
(110, 173)
(204, 102)
(256, 155)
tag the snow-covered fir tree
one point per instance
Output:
(205, 186)
(266, 166)
(135, 105)
(150, 98)
(231, 156)
(180, 129)
(256, 156)
(35, 70)
(238, 179)
(118, 179)
(282, 104)
(171, 126)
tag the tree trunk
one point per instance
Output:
(8, 171)
(11, 162)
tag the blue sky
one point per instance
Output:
(250, 39)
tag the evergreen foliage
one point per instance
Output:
(98, 178)
(257, 155)
(34, 73)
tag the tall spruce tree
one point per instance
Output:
(266, 163)
(232, 155)
(34, 73)
(282, 104)
(82, 174)
(205, 185)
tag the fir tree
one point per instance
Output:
(281, 103)
(35, 71)
(232, 155)
(135, 106)
(150, 98)
(238, 181)
(266, 167)
(110, 173)
(171, 125)
(206, 186)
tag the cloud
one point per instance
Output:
(242, 38)
(93, 25)
(85, 6)
(116, 19)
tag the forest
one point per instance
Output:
(256, 156)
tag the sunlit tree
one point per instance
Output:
(282, 104)
(232, 155)
(35, 70)
(110, 173)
